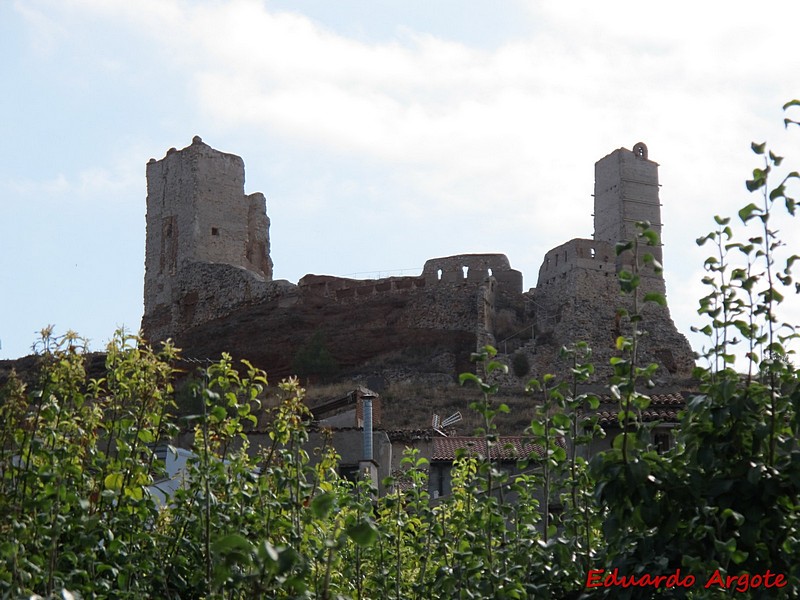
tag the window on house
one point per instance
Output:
(349, 472)
(662, 440)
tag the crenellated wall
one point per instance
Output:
(446, 303)
(463, 269)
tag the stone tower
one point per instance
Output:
(626, 191)
(577, 295)
(199, 220)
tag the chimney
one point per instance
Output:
(367, 404)
(367, 465)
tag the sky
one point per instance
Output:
(382, 133)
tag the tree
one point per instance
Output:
(314, 362)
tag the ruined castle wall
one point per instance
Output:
(257, 248)
(593, 255)
(343, 289)
(444, 322)
(454, 293)
(445, 306)
(582, 304)
(432, 328)
(449, 308)
(203, 292)
(197, 213)
(577, 304)
(454, 275)
(576, 253)
(473, 268)
(226, 288)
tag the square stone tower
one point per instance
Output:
(577, 296)
(198, 214)
(626, 191)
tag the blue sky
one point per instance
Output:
(382, 133)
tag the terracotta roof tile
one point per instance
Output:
(507, 448)
(663, 407)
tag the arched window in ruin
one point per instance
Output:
(465, 271)
(439, 274)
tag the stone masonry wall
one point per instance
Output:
(626, 191)
(473, 268)
(208, 283)
(206, 291)
(576, 254)
(197, 213)
(580, 303)
(578, 296)
(464, 305)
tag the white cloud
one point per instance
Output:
(522, 123)
(44, 33)
(26, 187)
(458, 111)
(93, 184)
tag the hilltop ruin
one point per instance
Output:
(209, 285)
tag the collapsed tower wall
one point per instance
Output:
(206, 239)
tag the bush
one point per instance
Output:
(314, 362)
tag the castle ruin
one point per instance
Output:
(209, 285)
(198, 216)
(577, 295)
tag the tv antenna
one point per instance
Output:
(439, 425)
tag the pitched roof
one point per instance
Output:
(507, 448)
(663, 407)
